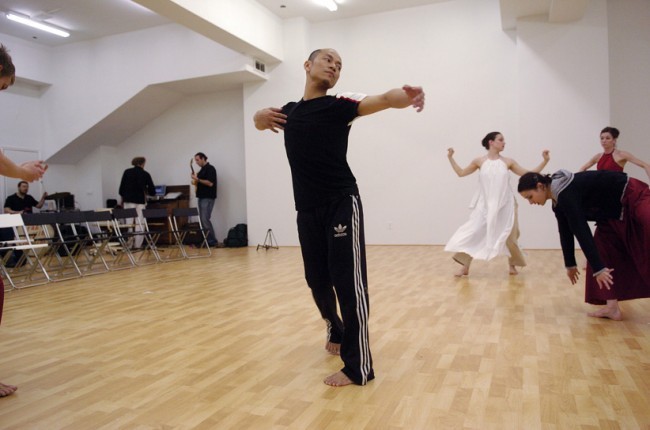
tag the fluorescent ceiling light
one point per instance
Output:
(35, 24)
(330, 4)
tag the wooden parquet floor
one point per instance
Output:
(235, 342)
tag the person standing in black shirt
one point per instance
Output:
(29, 171)
(330, 215)
(21, 202)
(135, 186)
(206, 193)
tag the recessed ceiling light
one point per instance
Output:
(329, 4)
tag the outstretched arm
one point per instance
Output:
(29, 171)
(518, 170)
(473, 166)
(593, 160)
(270, 119)
(397, 98)
(632, 159)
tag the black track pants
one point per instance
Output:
(333, 252)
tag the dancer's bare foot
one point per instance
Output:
(513, 270)
(463, 271)
(337, 379)
(7, 390)
(333, 348)
(613, 313)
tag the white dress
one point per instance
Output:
(484, 235)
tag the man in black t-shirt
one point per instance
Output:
(21, 202)
(206, 193)
(330, 216)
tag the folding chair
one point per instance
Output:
(157, 223)
(21, 260)
(55, 260)
(91, 258)
(72, 244)
(105, 240)
(183, 230)
(125, 228)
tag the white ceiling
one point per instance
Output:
(84, 19)
(310, 9)
(92, 19)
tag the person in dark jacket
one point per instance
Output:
(135, 186)
(618, 252)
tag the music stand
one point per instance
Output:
(268, 241)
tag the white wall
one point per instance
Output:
(268, 180)
(629, 65)
(209, 123)
(92, 79)
(21, 104)
(477, 78)
(563, 103)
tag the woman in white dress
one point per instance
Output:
(492, 226)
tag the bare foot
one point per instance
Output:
(7, 390)
(333, 348)
(463, 271)
(337, 379)
(607, 312)
(513, 270)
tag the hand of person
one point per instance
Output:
(605, 279)
(194, 177)
(270, 119)
(573, 274)
(45, 194)
(33, 170)
(546, 155)
(450, 152)
(416, 94)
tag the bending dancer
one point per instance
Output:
(330, 217)
(492, 227)
(613, 158)
(618, 251)
(29, 171)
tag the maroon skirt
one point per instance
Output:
(624, 245)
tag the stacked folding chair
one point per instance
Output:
(91, 259)
(126, 227)
(21, 262)
(156, 224)
(184, 230)
(58, 260)
(72, 244)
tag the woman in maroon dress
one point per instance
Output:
(613, 158)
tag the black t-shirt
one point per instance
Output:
(16, 203)
(316, 141)
(591, 196)
(136, 185)
(209, 173)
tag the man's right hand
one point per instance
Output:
(270, 119)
